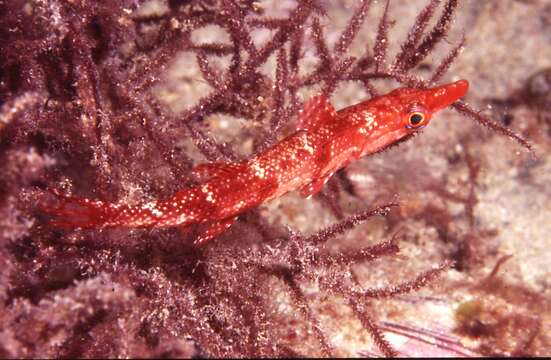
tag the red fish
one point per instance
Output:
(325, 141)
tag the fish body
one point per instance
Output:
(325, 141)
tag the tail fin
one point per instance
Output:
(73, 212)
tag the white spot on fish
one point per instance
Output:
(259, 171)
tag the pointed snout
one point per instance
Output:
(443, 96)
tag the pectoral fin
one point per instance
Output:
(321, 176)
(315, 186)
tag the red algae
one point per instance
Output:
(87, 107)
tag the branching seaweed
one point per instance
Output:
(79, 112)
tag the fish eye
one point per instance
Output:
(416, 119)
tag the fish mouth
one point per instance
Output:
(443, 96)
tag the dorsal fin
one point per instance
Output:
(317, 111)
(218, 169)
